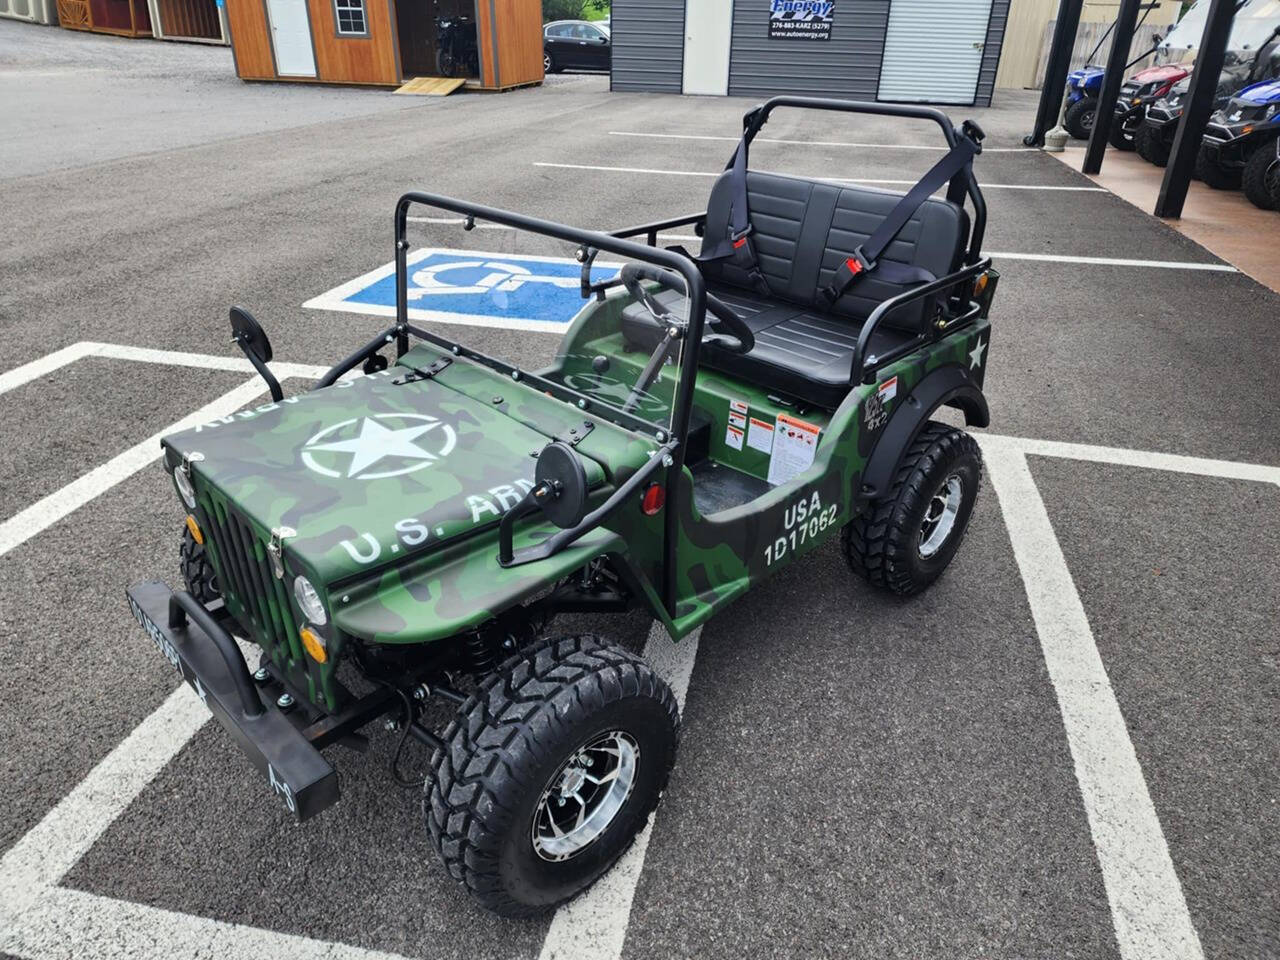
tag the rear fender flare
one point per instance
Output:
(950, 386)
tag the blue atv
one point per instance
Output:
(1083, 88)
(1241, 142)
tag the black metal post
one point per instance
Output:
(1204, 85)
(1055, 75)
(1126, 23)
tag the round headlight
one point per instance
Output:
(185, 488)
(309, 601)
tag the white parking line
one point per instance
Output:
(594, 926)
(38, 918)
(42, 514)
(815, 143)
(1117, 261)
(1148, 908)
(716, 173)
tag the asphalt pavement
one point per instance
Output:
(859, 776)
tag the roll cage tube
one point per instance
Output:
(696, 291)
(962, 184)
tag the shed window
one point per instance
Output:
(351, 18)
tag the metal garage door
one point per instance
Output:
(933, 50)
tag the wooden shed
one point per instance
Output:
(381, 42)
(125, 18)
(201, 21)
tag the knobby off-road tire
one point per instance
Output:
(516, 743)
(905, 541)
(1121, 140)
(1213, 175)
(1151, 147)
(1079, 118)
(197, 571)
(1261, 176)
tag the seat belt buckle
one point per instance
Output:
(740, 240)
(859, 263)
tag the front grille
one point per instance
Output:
(252, 593)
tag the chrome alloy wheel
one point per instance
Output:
(940, 516)
(584, 796)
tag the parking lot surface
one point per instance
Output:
(1066, 748)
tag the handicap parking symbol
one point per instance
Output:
(473, 288)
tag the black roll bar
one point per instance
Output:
(696, 292)
(962, 184)
(863, 369)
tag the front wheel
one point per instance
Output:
(1079, 118)
(197, 572)
(446, 63)
(1261, 177)
(1122, 137)
(549, 771)
(549, 63)
(904, 541)
(1151, 145)
(1213, 175)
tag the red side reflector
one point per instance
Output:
(854, 266)
(654, 498)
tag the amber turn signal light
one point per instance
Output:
(314, 646)
(194, 528)
(980, 284)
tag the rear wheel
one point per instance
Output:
(905, 541)
(1213, 175)
(197, 572)
(1079, 118)
(1261, 176)
(549, 771)
(549, 64)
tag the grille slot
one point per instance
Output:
(249, 586)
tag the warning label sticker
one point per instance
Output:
(795, 443)
(760, 436)
(733, 437)
(888, 390)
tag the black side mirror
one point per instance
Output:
(560, 485)
(252, 339)
(247, 332)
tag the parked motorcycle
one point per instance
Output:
(457, 54)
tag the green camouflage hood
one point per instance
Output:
(369, 471)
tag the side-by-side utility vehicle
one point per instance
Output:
(407, 530)
(1241, 145)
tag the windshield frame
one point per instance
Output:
(589, 404)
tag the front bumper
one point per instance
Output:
(208, 659)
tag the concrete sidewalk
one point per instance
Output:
(1222, 221)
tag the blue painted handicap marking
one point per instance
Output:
(474, 288)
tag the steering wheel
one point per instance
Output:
(737, 339)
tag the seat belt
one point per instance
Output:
(736, 246)
(866, 258)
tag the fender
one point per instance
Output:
(950, 385)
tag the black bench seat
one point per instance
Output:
(803, 229)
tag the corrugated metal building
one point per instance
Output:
(931, 51)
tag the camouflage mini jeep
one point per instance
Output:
(408, 533)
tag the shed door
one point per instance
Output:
(291, 38)
(933, 50)
(707, 30)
